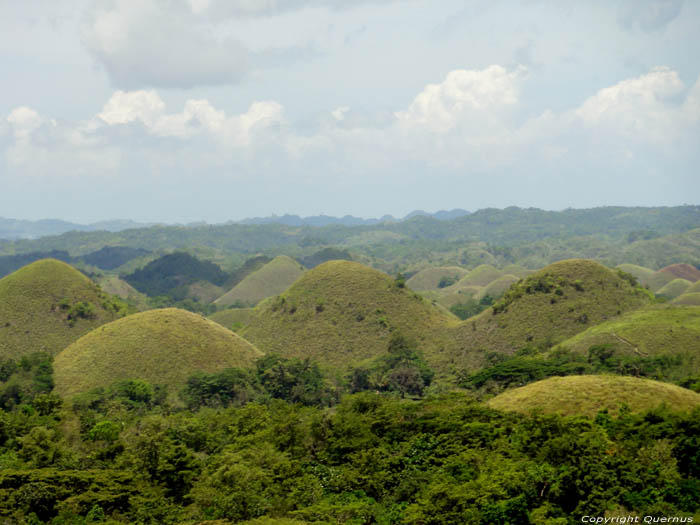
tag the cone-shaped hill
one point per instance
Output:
(549, 306)
(587, 395)
(341, 313)
(47, 305)
(673, 289)
(159, 346)
(436, 278)
(233, 318)
(689, 299)
(668, 332)
(676, 271)
(272, 279)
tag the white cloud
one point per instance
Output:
(159, 43)
(463, 95)
(198, 116)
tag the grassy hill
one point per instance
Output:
(640, 272)
(549, 306)
(499, 286)
(665, 275)
(674, 288)
(432, 278)
(47, 305)
(159, 346)
(692, 299)
(586, 395)
(665, 337)
(479, 276)
(341, 313)
(233, 318)
(114, 285)
(272, 279)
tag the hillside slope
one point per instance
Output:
(670, 335)
(548, 307)
(47, 305)
(159, 346)
(272, 279)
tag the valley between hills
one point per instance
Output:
(501, 366)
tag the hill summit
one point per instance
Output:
(47, 305)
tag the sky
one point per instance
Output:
(217, 110)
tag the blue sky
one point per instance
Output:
(187, 110)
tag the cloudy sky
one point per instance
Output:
(187, 110)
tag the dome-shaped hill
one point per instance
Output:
(341, 313)
(674, 288)
(640, 272)
(549, 306)
(436, 278)
(517, 270)
(694, 288)
(498, 287)
(676, 271)
(272, 279)
(669, 332)
(479, 276)
(159, 346)
(687, 299)
(586, 395)
(47, 305)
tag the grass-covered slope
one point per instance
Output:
(549, 306)
(159, 346)
(498, 287)
(119, 287)
(479, 276)
(272, 279)
(586, 395)
(640, 272)
(673, 289)
(341, 313)
(688, 299)
(659, 279)
(233, 318)
(436, 278)
(667, 337)
(47, 305)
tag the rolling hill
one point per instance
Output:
(342, 313)
(549, 306)
(272, 279)
(159, 346)
(432, 278)
(587, 395)
(689, 299)
(47, 305)
(233, 318)
(670, 335)
(673, 289)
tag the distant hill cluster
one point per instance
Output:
(153, 374)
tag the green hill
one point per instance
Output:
(674, 288)
(233, 318)
(498, 287)
(159, 346)
(640, 272)
(119, 287)
(549, 306)
(479, 276)
(47, 305)
(341, 313)
(586, 395)
(664, 337)
(517, 270)
(436, 278)
(691, 299)
(272, 279)
(675, 271)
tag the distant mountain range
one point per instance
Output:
(12, 229)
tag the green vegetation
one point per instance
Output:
(587, 395)
(47, 305)
(272, 279)
(479, 276)
(471, 307)
(172, 274)
(689, 299)
(112, 257)
(159, 346)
